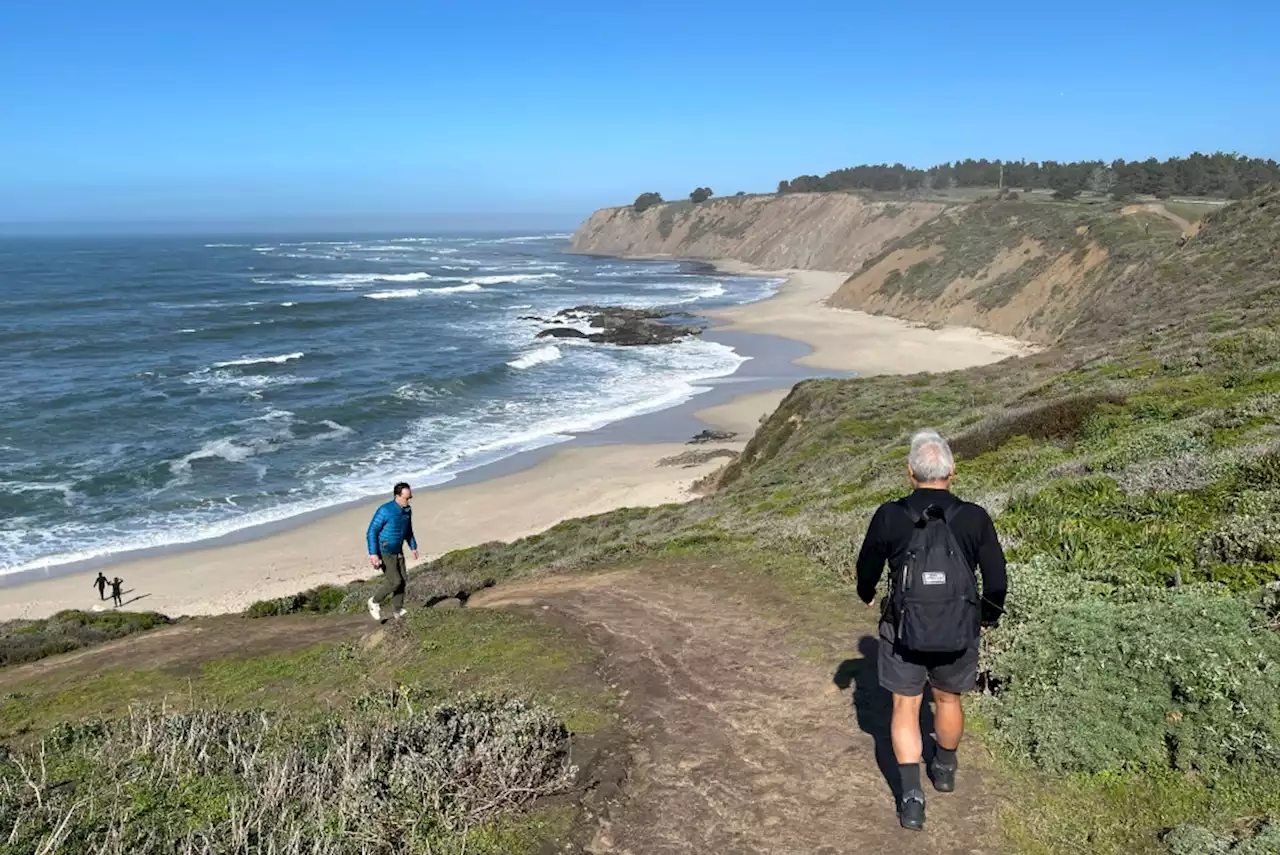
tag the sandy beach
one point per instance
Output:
(844, 340)
(571, 482)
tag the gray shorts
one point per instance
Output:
(904, 672)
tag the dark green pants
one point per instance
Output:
(392, 580)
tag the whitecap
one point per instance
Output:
(259, 360)
(407, 293)
(506, 278)
(547, 353)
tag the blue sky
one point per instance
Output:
(239, 111)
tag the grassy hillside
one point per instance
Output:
(447, 733)
(1011, 265)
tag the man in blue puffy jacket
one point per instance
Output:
(389, 530)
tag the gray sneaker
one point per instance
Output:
(375, 610)
(399, 614)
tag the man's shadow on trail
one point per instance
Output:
(873, 709)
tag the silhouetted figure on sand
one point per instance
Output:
(101, 584)
(117, 595)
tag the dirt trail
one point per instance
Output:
(742, 746)
(1160, 210)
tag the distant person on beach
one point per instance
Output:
(930, 623)
(389, 530)
(117, 595)
(101, 584)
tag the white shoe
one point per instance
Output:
(375, 609)
(401, 613)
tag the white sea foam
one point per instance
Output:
(289, 304)
(260, 360)
(407, 293)
(217, 245)
(225, 449)
(345, 281)
(527, 238)
(547, 353)
(508, 278)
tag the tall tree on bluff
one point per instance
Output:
(701, 194)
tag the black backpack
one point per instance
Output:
(935, 593)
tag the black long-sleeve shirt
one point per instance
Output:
(890, 531)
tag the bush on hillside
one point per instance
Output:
(380, 780)
(1160, 679)
(1060, 419)
(29, 640)
(319, 600)
(700, 195)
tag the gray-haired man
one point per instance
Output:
(929, 624)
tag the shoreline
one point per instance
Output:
(788, 337)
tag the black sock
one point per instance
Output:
(946, 757)
(910, 774)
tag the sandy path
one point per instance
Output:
(742, 747)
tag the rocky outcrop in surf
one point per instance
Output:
(622, 326)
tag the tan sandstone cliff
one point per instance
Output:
(1018, 267)
(813, 231)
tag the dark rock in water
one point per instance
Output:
(712, 436)
(639, 333)
(561, 332)
(626, 327)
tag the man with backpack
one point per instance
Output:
(930, 623)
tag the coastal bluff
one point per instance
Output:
(1027, 266)
(812, 231)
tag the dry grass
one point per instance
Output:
(384, 778)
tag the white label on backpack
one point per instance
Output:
(934, 578)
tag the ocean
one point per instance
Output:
(161, 391)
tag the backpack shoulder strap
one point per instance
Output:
(911, 512)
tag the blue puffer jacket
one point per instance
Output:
(390, 528)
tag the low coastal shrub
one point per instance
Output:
(379, 778)
(1060, 419)
(1181, 678)
(1191, 839)
(29, 640)
(325, 598)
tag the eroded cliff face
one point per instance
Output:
(812, 231)
(1016, 267)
